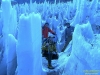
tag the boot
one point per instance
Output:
(50, 67)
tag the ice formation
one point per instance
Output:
(11, 55)
(21, 37)
(81, 58)
(28, 48)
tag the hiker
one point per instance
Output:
(48, 45)
(68, 34)
(46, 30)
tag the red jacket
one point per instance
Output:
(45, 31)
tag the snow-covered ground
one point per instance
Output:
(70, 64)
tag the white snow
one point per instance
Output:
(28, 48)
(11, 55)
(84, 55)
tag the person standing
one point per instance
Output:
(68, 34)
(45, 38)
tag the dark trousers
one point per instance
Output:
(67, 42)
(48, 56)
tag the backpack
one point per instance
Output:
(45, 52)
